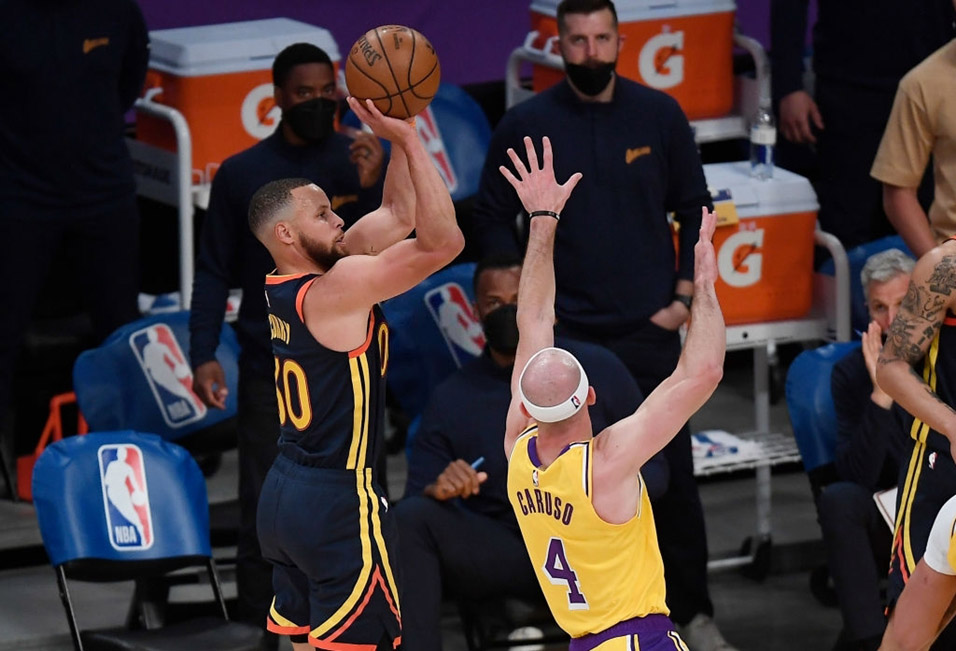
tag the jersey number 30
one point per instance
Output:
(559, 572)
(291, 388)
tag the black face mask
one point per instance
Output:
(590, 80)
(501, 329)
(312, 120)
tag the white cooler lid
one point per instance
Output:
(232, 47)
(636, 10)
(783, 194)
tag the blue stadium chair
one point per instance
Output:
(432, 332)
(121, 506)
(810, 406)
(857, 257)
(140, 378)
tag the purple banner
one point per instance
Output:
(473, 39)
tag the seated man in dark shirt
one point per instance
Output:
(458, 531)
(870, 445)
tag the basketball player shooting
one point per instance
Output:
(322, 519)
(580, 501)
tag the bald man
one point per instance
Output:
(322, 517)
(580, 500)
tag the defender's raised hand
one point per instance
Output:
(705, 260)
(536, 187)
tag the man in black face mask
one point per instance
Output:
(620, 283)
(305, 145)
(451, 500)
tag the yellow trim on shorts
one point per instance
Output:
(279, 619)
(382, 548)
(912, 480)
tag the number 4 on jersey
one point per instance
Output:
(559, 572)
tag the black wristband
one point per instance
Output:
(544, 213)
(685, 299)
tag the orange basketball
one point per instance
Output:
(395, 67)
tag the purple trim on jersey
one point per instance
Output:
(634, 626)
(533, 452)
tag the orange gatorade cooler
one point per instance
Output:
(765, 257)
(220, 78)
(682, 47)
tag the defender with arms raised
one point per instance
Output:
(579, 499)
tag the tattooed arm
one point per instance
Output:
(931, 293)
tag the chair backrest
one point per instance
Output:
(857, 257)
(140, 378)
(120, 496)
(456, 134)
(810, 402)
(432, 331)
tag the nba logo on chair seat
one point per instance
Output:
(129, 520)
(168, 374)
(462, 331)
(427, 128)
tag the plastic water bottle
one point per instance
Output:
(763, 137)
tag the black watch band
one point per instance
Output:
(685, 299)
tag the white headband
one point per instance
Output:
(562, 410)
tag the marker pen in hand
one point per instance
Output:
(477, 463)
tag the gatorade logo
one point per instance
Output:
(661, 63)
(259, 113)
(739, 261)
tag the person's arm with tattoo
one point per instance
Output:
(932, 292)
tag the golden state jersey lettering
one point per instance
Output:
(593, 574)
(279, 328)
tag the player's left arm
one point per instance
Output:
(626, 445)
(539, 191)
(930, 295)
(394, 219)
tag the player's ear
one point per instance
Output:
(620, 41)
(592, 396)
(283, 233)
(524, 412)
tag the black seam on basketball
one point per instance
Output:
(391, 70)
(387, 95)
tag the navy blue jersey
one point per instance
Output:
(331, 403)
(939, 373)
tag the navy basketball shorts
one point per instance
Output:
(328, 534)
(927, 481)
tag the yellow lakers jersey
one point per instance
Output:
(593, 574)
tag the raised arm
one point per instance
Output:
(394, 219)
(625, 446)
(358, 281)
(541, 195)
(912, 333)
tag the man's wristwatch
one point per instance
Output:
(685, 299)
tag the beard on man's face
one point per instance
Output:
(323, 255)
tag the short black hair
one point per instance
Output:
(296, 55)
(583, 7)
(494, 261)
(271, 198)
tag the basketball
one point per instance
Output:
(395, 67)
